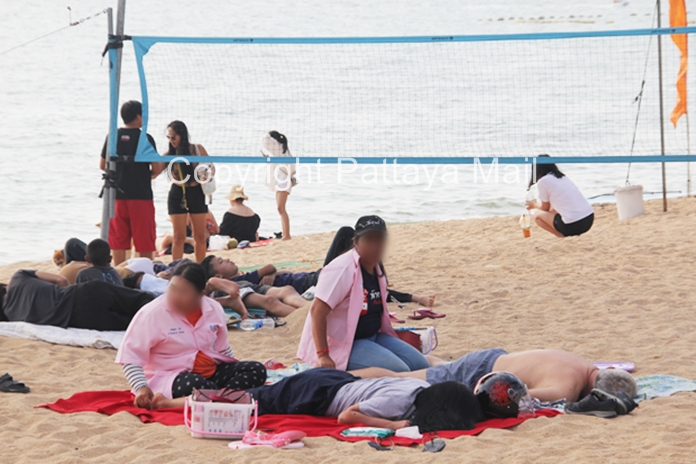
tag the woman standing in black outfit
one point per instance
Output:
(186, 194)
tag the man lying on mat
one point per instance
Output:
(550, 375)
(235, 295)
(44, 298)
(385, 402)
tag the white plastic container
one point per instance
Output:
(629, 201)
(219, 420)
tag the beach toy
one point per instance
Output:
(620, 365)
(629, 201)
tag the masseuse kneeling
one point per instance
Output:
(179, 342)
(348, 324)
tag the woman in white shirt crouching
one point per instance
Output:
(561, 209)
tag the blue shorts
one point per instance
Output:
(467, 370)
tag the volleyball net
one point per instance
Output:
(579, 97)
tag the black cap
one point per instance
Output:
(370, 224)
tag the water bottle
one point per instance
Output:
(255, 324)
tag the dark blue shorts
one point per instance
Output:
(310, 392)
(467, 370)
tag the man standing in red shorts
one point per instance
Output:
(134, 216)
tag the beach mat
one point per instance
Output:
(112, 402)
(656, 386)
(60, 336)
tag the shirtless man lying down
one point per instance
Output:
(550, 375)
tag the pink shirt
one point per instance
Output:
(165, 344)
(341, 287)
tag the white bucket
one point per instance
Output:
(629, 201)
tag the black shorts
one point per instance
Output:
(256, 288)
(195, 200)
(574, 228)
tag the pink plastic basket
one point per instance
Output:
(219, 420)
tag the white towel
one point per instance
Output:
(60, 336)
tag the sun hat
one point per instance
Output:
(236, 192)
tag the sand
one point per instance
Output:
(624, 291)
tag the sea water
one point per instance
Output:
(54, 112)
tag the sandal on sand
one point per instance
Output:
(273, 364)
(287, 440)
(424, 313)
(9, 385)
(393, 318)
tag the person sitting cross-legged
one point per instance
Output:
(179, 342)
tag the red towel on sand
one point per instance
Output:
(112, 402)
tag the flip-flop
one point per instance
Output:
(274, 364)
(424, 313)
(393, 318)
(9, 385)
(619, 365)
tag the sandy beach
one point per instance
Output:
(623, 291)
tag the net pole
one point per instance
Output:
(115, 54)
(107, 191)
(662, 109)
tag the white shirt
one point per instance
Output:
(564, 197)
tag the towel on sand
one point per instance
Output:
(653, 386)
(60, 336)
(112, 402)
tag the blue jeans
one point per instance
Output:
(385, 351)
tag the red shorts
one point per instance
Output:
(133, 219)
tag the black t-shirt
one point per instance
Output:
(251, 277)
(240, 227)
(133, 180)
(30, 299)
(370, 320)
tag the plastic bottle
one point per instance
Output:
(255, 324)
(526, 224)
(526, 218)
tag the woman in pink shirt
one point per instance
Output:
(348, 325)
(178, 343)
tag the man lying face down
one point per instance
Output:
(550, 375)
(391, 403)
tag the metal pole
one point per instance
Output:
(115, 55)
(662, 109)
(688, 151)
(107, 191)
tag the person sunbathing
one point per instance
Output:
(384, 402)
(550, 375)
(300, 281)
(178, 343)
(43, 298)
(260, 281)
(235, 295)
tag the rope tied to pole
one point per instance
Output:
(70, 24)
(639, 98)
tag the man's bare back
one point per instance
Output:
(550, 374)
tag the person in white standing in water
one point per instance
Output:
(562, 209)
(281, 177)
